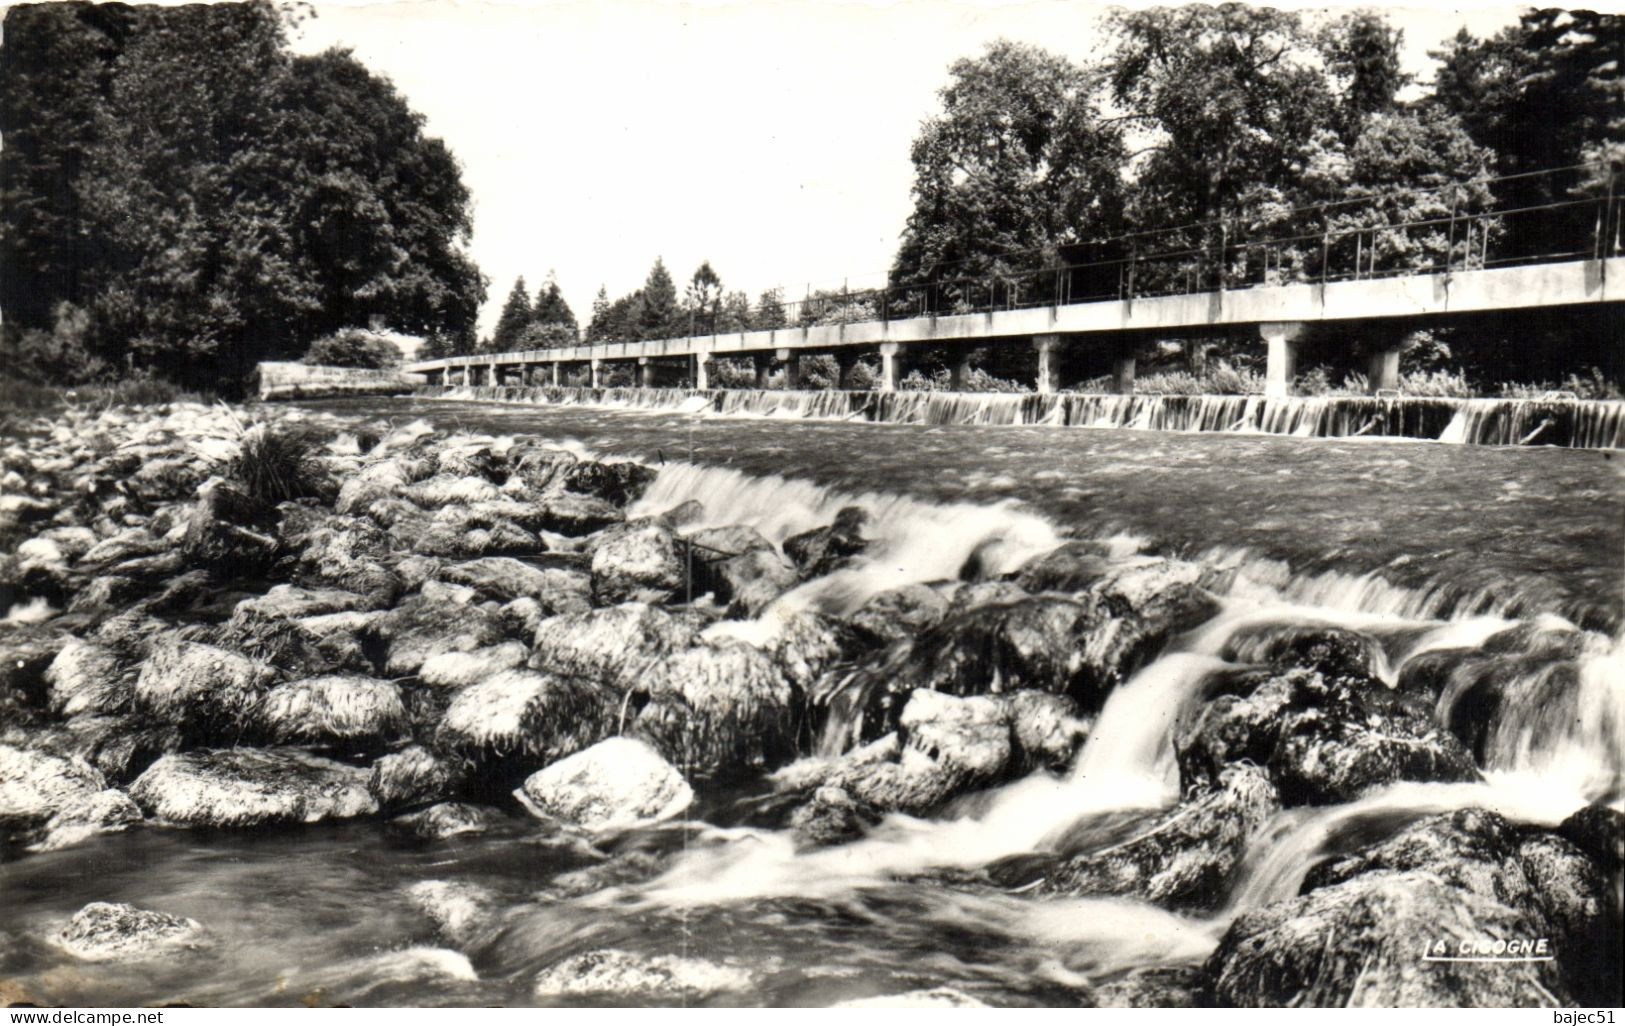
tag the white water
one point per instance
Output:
(1587, 424)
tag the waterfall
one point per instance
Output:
(1574, 423)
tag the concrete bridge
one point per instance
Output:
(1277, 312)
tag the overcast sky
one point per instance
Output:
(769, 138)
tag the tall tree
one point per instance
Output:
(598, 326)
(658, 316)
(513, 319)
(1018, 164)
(703, 298)
(551, 311)
(769, 311)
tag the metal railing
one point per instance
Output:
(1472, 225)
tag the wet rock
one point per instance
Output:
(618, 975)
(325, 646)
(617, 783)
(1185, 857)
(460, 669)
(120, 746)
(827, 549)
(681, 515)
(241, 787)
(1154, 987)
(87, 677)
(125, 545)
(901, 612)
(420, 628)
(704, 551)
(457, 909)
(345, 552)
(638, 563)
(1047, 729)
(291, 602)
(619, 482)
(72, 541)
(715, 710)
(1333, 651)
(1072, 567)
(34, 786)
(107, 810)
(415, 775)
(832, 816)
(472, 457)
(1137, 609)
(539, 467)
(936, 997)
(503, 579)
(231, 533)
(1322, 740)
(1358, 944)
(354, 713)
(807, 645)
(608, 645)
(446, 490)
(448, 819)
(1599, 831)
(575, 516)
(522, 720)
(208, 691)
(522, 616)
(751, 582)
(104, 931)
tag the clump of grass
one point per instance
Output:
(278, 464)
(1438, 384)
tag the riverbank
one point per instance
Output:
(589, 702)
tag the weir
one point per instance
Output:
(1574, 423)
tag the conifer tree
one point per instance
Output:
(515, 316)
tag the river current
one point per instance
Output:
(1419, 545)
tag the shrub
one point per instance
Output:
(1439, 384)
(278, 464)
(354, 347)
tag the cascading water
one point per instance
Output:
(1574, 423)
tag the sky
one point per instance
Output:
(771, 139)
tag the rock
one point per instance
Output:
(460, 669)
(703, 551)
(415, 775)
(291, 602)
(350, 712)
(122, 745)
(456, 908)
(126, 544)
(1359, 944)
(827, 549)
(231, 533)
(681, 515)
(624, 976)
(715, 710)
(421, 628)
(105, 811)
(1074, 566)
(241, 787)
(608, 645)
(901, 612)
(448, 819)
(345, 552)
(617, 783)
(751, 582)
(807, 645)
(522, 616)
(504, 579)
(1334, 651)
(619, 483)
(1047, 729)
(832, 816)
(522, 720)
(575, 516)
(638, 563)
(1176, 986)
(34, 786)
(208, 691)
(309, 646)
(936, 997)
(1323, 741)
(1185, 858)
(104, 931)
(26, 653)
(471, 457)
(446, 490)
(1599, 831)
(541, 468)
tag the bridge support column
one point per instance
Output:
(846, 361)
(702, 370)
(1282, 337)
(959, 374)
(646, 372)
(762, 364)
(1123, 375)
(889, 353)
(791, 361)
(1047, 345)
(556, 365)
(1384, 375)
(596, 373)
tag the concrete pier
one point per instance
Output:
(646, 372)
(1282, 339)
(702, 370)
(1047, 345)
(1123, 374)
(889, 352)
(762, 364)
(960, 371)
(790, 360)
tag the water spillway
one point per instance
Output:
(1574, 423)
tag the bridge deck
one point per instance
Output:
(1507, 288)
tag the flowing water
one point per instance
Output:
(1421, 548)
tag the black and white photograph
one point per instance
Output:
(891, 504)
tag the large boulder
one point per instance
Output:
(619, 482)
(617, 783)
(715, 709)
(345, 552)
(239, 787)
(624, 977)
(504, 579)
(608, 645)
(447, 490)
(638, 563)
(522, 720)
(345, 711)
(460, 669)
(827, 549)
(106, 931)
(415, 775)
(1334, 651)
(575, 516)
(901, 612)
(231, 533)
(85, 676)
(1361, 944)
(748, 583)
(49, 802)
(208, 691)
(1322, 740)
(423, 627)
(1184, 858)
(1073, 566)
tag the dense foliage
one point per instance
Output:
(354, 347)
(183, 194)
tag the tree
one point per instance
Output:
(1362, 57)
(511, 323)
(704, 299)
(1018, 164)
(657, 317)
(552, 314)
(598, 326)
(769, 311)
(734, 313)
(354, 347)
